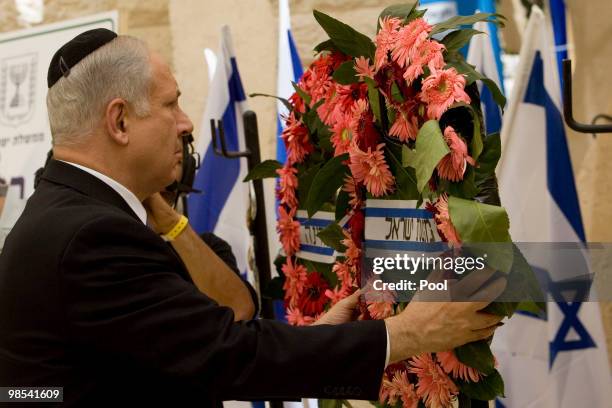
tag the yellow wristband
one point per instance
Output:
(177, 229)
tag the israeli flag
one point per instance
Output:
(222, 206)
(559, 360)
(484, 53)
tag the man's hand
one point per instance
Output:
(441, 326)
(161, 217)
(342, 312)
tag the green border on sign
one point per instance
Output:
(61, 29)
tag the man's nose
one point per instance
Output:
(184, 124)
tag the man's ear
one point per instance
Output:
(116, 120)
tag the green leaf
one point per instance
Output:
(477, 355)
(332, 236)
(457, 39)
(305, 181)
(342, 204)
(408, 156)
(305, 97)
(477, 222)
(396, 94)
(265, 169)
(326, 183)
(405, 179)
(327, 45)
(327, 403)
(401, 11)
(487, 161)
(430, 149)
(374, 98)
(486, 389)
(458, 21)
(501, 308)
(472, 75)
(346, 38)
(345, 74)
(283, 100)
(537, 308)
(465, 188)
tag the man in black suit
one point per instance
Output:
(92, 299)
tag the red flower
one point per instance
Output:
(312, 300)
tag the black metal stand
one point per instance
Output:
(568, 106)
(258, 227)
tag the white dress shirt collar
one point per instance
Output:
(129, 197)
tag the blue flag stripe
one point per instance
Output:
(398, 212)
(560, 176)
(218, 175)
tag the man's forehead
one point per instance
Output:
(162, 74)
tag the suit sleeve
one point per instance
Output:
(125, 300)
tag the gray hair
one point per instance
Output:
(76, 103)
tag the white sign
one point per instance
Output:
(311, 246)
(25, 137)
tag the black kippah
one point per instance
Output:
(75, 50)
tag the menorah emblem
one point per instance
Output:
(18, 88)
(17, 74)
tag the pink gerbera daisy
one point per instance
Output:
(444, 223)
(409, 37)
(336, 295)
(296, 318)
(385, 39)
(371, 169)
(380, 310)
(287, 184)
(341, 135)
(399, 387)
(434, 387)
(453, 165)
(451, 365)
(296, 140)
(351, 187)
(405, 127)
(296, 277)
(428, 53)
(288, 230)
(363, 68)
(442, 89)
(352, 252)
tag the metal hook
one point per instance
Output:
(223, 152)
(568, 110)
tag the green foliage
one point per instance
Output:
(283, 100)
(374, 99)
(457, 39)
(325, 184)
(486, 389)
(477, 355)
(472, 75)
(489, 157)
(302, 93)
(305, 179)
(405, 179)
(401, 11)
(342, 204)
(430, 149)
(332, 236)
(345, 38)
(458, 21)
(345, 74)
(327, 45)
(477, 222)
(396, 94)
(265, 169)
